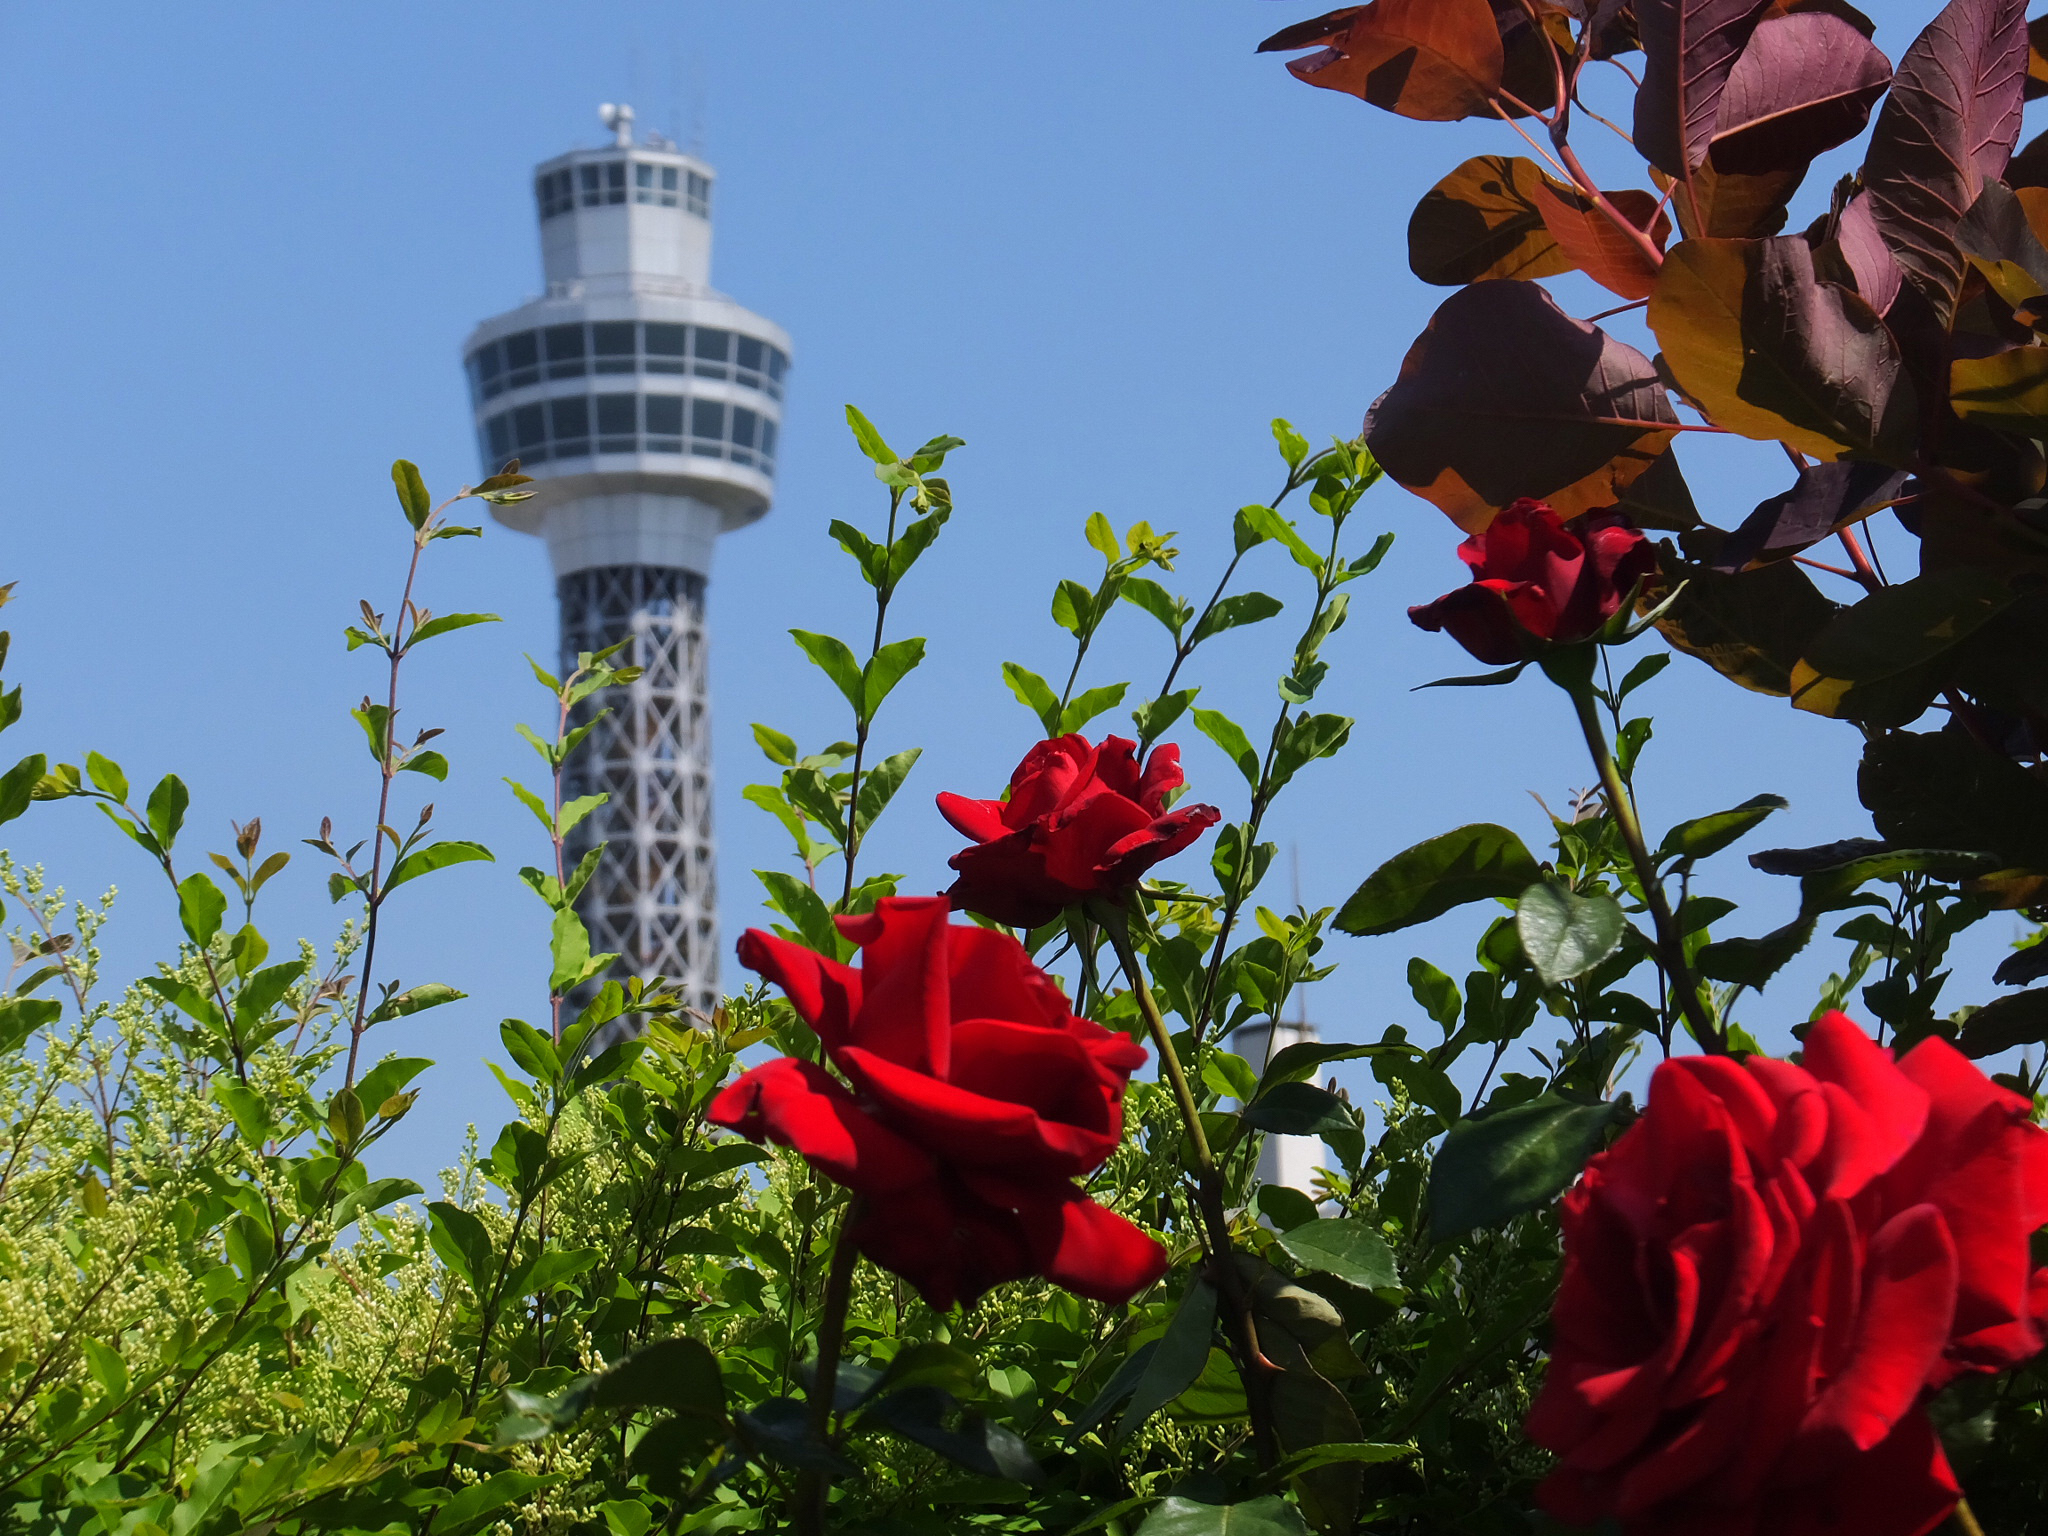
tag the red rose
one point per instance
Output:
(1080, 821)
(1537, 575)
(977, 1099)
(1767, 1275)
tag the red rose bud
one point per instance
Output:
(1080, 822)
(977, 1099)
(1538, 577)
(1769, 1274)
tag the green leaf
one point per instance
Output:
(914, 541)
(165, 812)
(1089, 705)
(1272, 525)
(18, 786)
(1102, 538)
(1156, 718)
(869, 439)
(1478, 679)
(427, 995)
(679, 1374)
(1235, 612)
(776, 747)
(885, 669)
(1035, 694)
(569, 946)
(429, 762)
(2020, 1018)
(480, 1499)
(574, 811)
(1229, 735)
(1073, 607)
(1505, 1164)
(535, 804)
(1705, 835)
(1470, 863)
(879, 784)
(435, 856)
(532, 1051)
(1298, 1109)
(1172, 1368)
(247, 1108)
(836, 661)
(200, 908)
(1308, 738)
(412, 492)
(804, 907)
(1293, 446)
(1297, 1063)
(1890, 633)
(373, 1196)
(1157, 601)
(1435, 993)
(21, 1017)
(1347, 1248)
(442, 623)
(1564, 934)
(872, 559)
(106, 776)
(1641, 673)
(1269, 1516)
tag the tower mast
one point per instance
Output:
(647, 406)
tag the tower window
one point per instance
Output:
(498, 431)
(565, 351)
(615, 424)
(522, 359)
(615, 181)
(529, 432)
(643, 183)
(711, 349)
(611, 342)
(707, 425)
(744, 422)
(767, 439)
(665, 347)
(593, 186)
(699, 201)
(569, 419)
(665, 423)
(487, 368)
(668, 186)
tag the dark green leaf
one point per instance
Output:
(430, 994)
(21, 1017)
(1235, 612)
(429, 762)
(980, 1445)
(412, 492)
(1073, 607)
(166, 809)
(1565, 935)
(879, 784)
(1298, 1109)
(1268, 1516)
(1502, 1165)
(1470, 863)
(804, 907)
(1156, 718)
(1183, 1351)
(1296, 1063)
(18, 786)
(1347, 1248)
(1705, 835)
(2021, 1019)
(1089, 705)
(480, 1499)
(1157, 601)
(435, 856)
(870, 556)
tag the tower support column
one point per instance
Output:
(654, 897)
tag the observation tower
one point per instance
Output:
(647, 406)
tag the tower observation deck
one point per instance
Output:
(647, 407)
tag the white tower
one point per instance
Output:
(646, 406)
(1289, 1160)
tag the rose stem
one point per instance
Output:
(1253, 1367)
(1964, 1520)
(813, 1488)
(1670, 947)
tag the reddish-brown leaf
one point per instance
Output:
(1689, 48)
(2037, 58)
(1505, 395)
(1949, 126)
(1482, 221)
(1590, 240)
(1803, 84)
(1732, 207)
(1438, 60)
(1869, 259)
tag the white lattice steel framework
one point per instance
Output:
(648, 408)
(654, 898)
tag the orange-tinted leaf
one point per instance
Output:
(2029, 168)
(1591, 242)
(2007, 390)
(1732, 207)
(1767, 350)
(1803, 84)
(1948, 127)
(2002, 235)
(1481, 221)
(1505, 395)
(1438, 60)
(1530, 54)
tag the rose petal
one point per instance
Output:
(798, 1104)
(1893, 1110)
(972, 1130)
(981, 820)
(1076, 1243)
(906, 1012)
(825, 994)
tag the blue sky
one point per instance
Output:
(1103, 243)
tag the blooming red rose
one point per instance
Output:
(977, 1097)
(1080, 821)
(1767, 1275)
(1537, 575)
